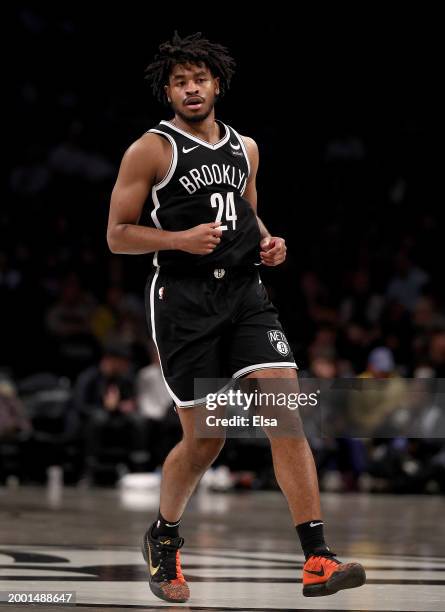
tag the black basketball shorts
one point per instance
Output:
(212, 324)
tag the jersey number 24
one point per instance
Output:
(217, 200)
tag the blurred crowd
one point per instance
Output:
(114, 420)
(360, 295)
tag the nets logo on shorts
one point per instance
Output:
(278, 341)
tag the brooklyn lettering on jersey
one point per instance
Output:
(215, 174)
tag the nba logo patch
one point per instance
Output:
(278, 341)
(161, 293)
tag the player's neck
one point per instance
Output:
(207, 130)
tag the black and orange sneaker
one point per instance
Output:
(164, 567)
(323, 574)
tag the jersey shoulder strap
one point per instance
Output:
(236, 142)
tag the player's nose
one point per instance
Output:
(192, 88)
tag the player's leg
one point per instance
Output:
(293, 460)
(182, 470)
(259, 349)
(295, 471)
(185, 465)
(186, 332)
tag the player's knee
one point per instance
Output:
(204, 451)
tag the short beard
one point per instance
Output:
(193, 118)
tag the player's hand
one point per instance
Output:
(199, 240)
(273, 251)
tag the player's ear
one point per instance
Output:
(167, 92)
(217, 86)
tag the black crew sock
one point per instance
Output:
(161, 527)
(311, 536)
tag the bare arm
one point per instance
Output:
(273, 248)
(136, 177)
(250, 193)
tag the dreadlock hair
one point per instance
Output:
(192, 49)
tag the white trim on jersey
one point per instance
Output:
(243, 146)
(173, 161)
(200, 141)
(163, 183)
(265, 366)
(246, 157)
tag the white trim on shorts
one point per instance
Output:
(153, 334)
(265, 366)
(252, 368)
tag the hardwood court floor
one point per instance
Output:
(241, 551)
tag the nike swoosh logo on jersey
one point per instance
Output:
(319, 573)
(236, 147)
(184, 150)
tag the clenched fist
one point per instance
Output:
(273, 251)
(199, 240)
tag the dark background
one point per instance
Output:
(347, 114)
(346, 106)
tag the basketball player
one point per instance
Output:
(208, 312)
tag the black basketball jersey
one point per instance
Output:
(205, 183)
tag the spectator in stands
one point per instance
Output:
(14, 423)
(68, 322)
(406, 285)
(104, 397)
(370, 409)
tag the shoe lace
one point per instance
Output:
(170, 564)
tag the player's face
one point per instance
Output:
(192, 90)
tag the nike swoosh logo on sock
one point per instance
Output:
(314, 524)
